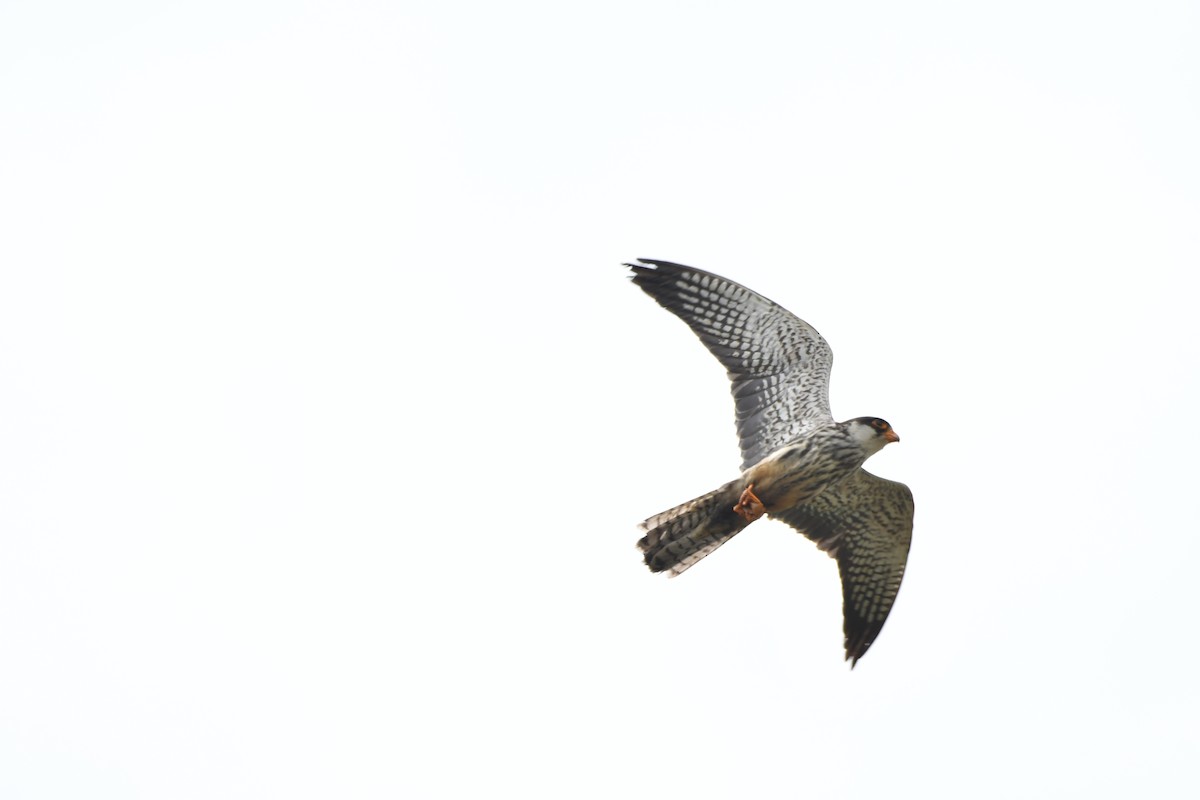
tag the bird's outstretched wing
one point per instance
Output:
(865, 522)
(778, 363)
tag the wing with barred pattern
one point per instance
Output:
(779, 364)
(866, 523)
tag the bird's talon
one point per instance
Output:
(749, 507)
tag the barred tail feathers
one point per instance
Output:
(678, 538)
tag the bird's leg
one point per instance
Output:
(749, 507)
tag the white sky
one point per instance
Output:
(327, 414)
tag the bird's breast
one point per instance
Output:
(796, 473)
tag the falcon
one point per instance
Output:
(798, 464)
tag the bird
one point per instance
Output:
(799, 465)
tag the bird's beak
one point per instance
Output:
(890, 435)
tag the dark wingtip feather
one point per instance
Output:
(657, 279)
(641, 272)
(650, 266)
(858, 643)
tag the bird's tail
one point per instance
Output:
(678, 538)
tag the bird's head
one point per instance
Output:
(872, 433)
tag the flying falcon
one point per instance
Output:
(798, 464)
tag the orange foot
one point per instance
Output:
(749, 507)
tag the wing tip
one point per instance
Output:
(859, 636)
(652, 265)
(853, 655)
(640, 271)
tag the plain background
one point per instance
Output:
(327, 413)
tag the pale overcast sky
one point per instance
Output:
(327, 413)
